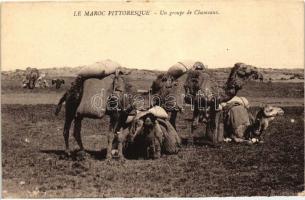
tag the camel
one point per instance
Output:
(146, 137)
(79, 105)
(58, 82)
(151, 136)
(203, 91)
(247, 128)
(31, 76)
(199, 88)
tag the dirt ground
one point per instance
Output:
(34, 164)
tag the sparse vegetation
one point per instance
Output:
(32, 151)
(34, 164)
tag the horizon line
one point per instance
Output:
(154, 69)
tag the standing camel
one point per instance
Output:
(205, 94)
(199, 88)
(80, 103)
(167, 89)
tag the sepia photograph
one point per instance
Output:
(104, 99)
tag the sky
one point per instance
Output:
(261, 33)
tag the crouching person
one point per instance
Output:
(241, 126)
(236, 118)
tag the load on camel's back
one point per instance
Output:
(92, 80)
(168, 89)
(151, 135)
(183, 67)
(99, 69)
(89, 95)
(169, 79)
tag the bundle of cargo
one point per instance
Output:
(156, 111)
(97, 84)
(171, 141)
(182, 67)
(99, 69)
(95, 95)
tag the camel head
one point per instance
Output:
(240, 74)
(264, 116)
(145, 137)
(152, 141)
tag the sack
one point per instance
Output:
(141, 114)
(171, 139)
(99, 69)
(94, 98)
(158, 112)
(180, 68)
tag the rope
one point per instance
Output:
(183, 66)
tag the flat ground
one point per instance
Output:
(34, 164)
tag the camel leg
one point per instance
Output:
(214, 125)
(195, 119)
(157, 146)
(212, 129)
(58, 108)
(59, 105)
(172, 119)
(112, 130)
(121, 135)
(121, 139)
(109, 146)
(77, 132)
(67, 126)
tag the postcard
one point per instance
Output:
(152, 99)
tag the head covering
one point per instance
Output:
(238, 100)
(270, 111)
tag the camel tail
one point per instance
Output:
(59, 105)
